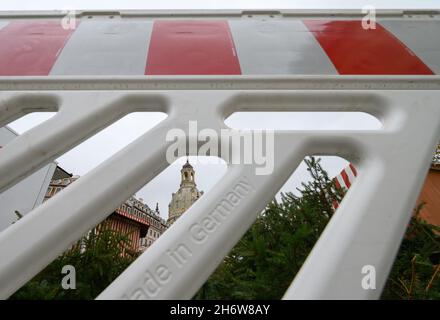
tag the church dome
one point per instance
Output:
(187, 165)
(186, 195)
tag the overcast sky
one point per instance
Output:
(100, 147)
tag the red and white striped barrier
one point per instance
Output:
(218, 47)
(344, 180)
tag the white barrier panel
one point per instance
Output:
(366, 230)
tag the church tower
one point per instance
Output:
(186, 195)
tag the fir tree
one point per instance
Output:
(265, 261)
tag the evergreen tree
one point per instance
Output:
(98, 259)
(264, 262)
(416, 270)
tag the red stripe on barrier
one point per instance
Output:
(31, 48)
(354, 50)
(345, 178)
(337, 184)
(192, 48)
(353, 169)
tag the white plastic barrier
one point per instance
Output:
(366, 230)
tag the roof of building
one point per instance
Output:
(64, 179)
(187, 165)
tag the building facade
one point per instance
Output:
(133, 217)
(186, 195)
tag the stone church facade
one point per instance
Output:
(185, 196)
